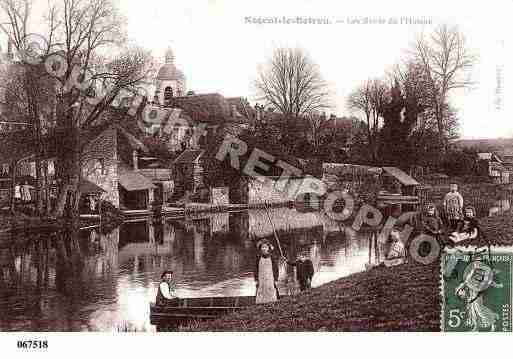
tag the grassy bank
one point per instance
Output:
(402, 298)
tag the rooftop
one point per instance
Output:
(401, 176)
(189, 156)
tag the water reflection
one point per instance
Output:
(106, 281)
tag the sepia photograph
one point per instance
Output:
(271, 166)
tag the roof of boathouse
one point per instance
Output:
(88, 187)
(133, 181)
(488, 156)
(347, 168)
(401, 176)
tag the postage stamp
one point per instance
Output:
(477, 289)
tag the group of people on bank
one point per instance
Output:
(460, 220)
(458, 224)
(266, 275)
(267, 272)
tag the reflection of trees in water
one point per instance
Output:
(283, 219)
(199, 251)
(70, 258)
(47, 278)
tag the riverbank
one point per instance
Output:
(21, 223)
(402, 298)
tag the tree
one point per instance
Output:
(87, 84)
(29, 98)
(369, 99)
(315, 122)
(292, 84)
(446, 61)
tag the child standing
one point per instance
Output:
(304, 271)
(453, 205)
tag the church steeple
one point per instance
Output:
(170, 81)
(170, 57)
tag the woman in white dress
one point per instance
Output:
(266, 274)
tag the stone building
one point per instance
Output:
(110, 161)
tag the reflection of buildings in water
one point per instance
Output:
(505, 204)
(239, 227)
(232, 257)
(151, 231)
(283, 219)
(220, 223)
(168, 232)
(198, 248)
(101, 254)
(7, 267)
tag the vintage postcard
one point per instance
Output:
(254, 166)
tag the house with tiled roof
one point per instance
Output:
(110, 161)
(186, 124)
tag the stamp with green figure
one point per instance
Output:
(476, 287)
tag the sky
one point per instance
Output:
(219, 51)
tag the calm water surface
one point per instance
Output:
(105, 282)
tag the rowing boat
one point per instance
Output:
(198, 308)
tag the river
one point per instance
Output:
(105, 282)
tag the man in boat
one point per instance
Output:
(167, 288)
(304, 271)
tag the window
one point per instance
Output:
(5, 170)
(168, 95)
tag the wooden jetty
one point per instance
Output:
(198, 308)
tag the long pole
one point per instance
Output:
(272, 224)
(100, 212)
(274, 229)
